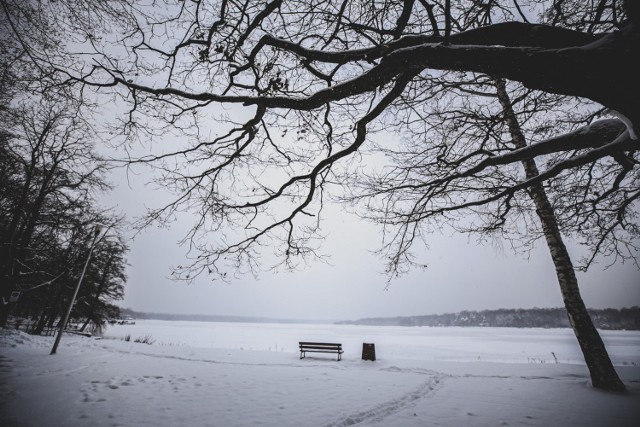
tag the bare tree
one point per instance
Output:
(430, 180)
(316, 81)
(51, 176)
(603, 374)
(107, 274)
(46, 296)
(50, 172)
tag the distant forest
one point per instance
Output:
(126, 312)
(609, 318)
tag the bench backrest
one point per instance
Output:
(327, 345)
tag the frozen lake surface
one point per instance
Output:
(514, 345)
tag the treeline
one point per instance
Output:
(126, 312)
(621, 319)
(50, 176)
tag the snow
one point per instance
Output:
(243, 374)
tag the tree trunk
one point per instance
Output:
(42, 321)
(603, 374)
(86, 322)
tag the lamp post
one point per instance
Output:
(96, 232)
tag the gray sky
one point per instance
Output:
(460, 276)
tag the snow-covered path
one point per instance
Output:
(115, 383)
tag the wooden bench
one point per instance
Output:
(320, 347)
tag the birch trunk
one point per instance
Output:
(603, 374)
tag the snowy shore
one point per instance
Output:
(222, 374)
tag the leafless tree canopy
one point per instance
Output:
(50, 175)
(329, 95)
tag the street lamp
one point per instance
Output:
(96, 232)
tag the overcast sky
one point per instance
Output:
(461, 276)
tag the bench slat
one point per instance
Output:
(318, 347)
(332, 350)
(320, 343)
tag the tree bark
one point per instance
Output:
(603, 374)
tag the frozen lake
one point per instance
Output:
(513, 345)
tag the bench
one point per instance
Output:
(320, 347)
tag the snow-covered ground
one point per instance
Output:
(241, 374)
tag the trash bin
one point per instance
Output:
(368, 351)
